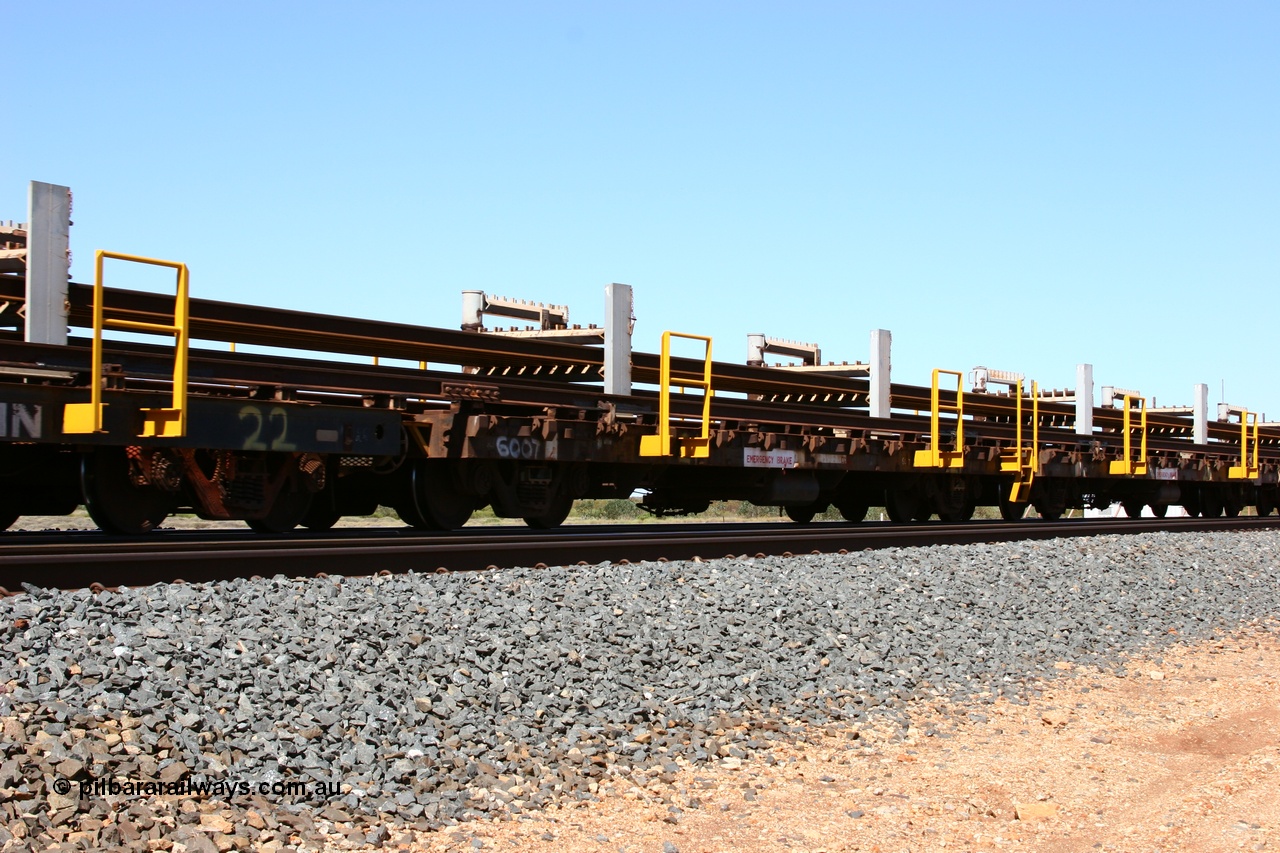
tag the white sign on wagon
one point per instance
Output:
(753, 458)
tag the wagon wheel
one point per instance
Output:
(432, 501)
(409, 514)
(956, 514)
(320, 515)
(289, 509)
(554, 515)
(1049, 512)
(1013, 510)
(115, 502)
(801, 514)
(852, 509)
(439, 500)
(902, 505)
(1133, 509)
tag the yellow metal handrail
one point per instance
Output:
(1129, 465)
(662, 444)
(934, 457)
(79, 418)
(1025, 462)
(1246, 470)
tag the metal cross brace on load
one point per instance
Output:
(552, 320)
(810, 356)
(980, 377)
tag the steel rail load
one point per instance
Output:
(527, 423)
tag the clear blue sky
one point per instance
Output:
(1021, 185)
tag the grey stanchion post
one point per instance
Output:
(881, 342)
(1084, 399)
(48, 262)
(617, 339)
(1200, 414)
(472, 310)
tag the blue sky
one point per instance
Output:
(1020, 185)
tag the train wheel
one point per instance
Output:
(959, 514)
(1211, 503)
(320, 516)
(554, 515)
(1191, 502)
(1049, 513)
(852, 510)
(440, 502)
(288, 511)
(801, 514)
(7, 518)
(409, 514)
(1013, 511)
(115, 503)
(1133, 509)
(1159, 510)
(902, 505)
(430, 501)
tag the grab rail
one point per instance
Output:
(664, 443)
(81, 418)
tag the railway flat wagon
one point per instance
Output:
(283, 418)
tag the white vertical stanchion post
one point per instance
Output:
(881, 342)
(1084, 399)
(617, 339)
(1200, 414)
(48, 262)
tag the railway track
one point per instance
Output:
(86, 559)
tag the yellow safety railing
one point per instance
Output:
(79, 418)
(1024, 462)
(1247, 470)
(935, 457)
(1129, 465)
(664, 443)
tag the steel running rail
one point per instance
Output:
(82, 559)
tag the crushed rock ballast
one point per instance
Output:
(434, 697)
